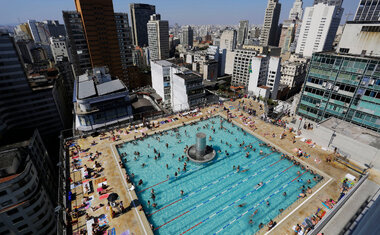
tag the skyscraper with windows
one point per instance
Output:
(342, 86)
(296, 12)
(319, 25)
(243, 32)
(27, 189)
(80, 56)
(158, 35)
(101, 36)
(368, 10)
(140, 15)
(187, 36)
(269, 31)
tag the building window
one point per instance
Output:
(18, 219)
(22, 227)
(13, 211)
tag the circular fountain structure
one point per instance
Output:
(200, 152)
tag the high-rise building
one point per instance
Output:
(242, 63)
(337, 3)
(343, 86)
(228, 40)
(360, 38)
(124, 38)
(54, 28)
(243, 32)
(101, 36)
(287, 35)
(293, 72)
(319, 26)
(368, 10)
(80, 56)
(28, 190)
(269, 30)
(296, 12)
(140, 15)
(58, 47)
(23, 107)
(158, 35)
(264, 76)
(34, 31)
(187, 36)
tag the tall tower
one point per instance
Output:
(269, 31)
(99, 26)
(368, 10)
(243, 32)
(318, 29)
(187, 36)
(228, 40)
(158, 37)
(140, 15)
(296, 11)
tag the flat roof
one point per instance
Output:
(188, 76)
(110, 87)
(163, 62)
(86, 89)
(355, 132)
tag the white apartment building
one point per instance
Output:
(179, 87)
(319, 25)
(228, 40)
(264, 75)
(160, 72)
(58, 48)
(241, 66)
(187, 91)
(158, 37)
(360, 38)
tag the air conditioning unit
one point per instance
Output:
(318, 105)
(324, 84)
(371, 82)
(329, 86)
(336, 88)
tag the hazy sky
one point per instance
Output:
(176, 11)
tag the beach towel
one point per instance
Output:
(104, 196)
(294, 229)
(103, 220)
(112, 231)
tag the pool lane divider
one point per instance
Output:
(193, 170)
(212, 183)
(219, 194)
(257, 204)
(241, 198)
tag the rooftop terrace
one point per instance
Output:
(130, 217)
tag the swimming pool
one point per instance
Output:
(212, 191)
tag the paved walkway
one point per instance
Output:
(358, 152)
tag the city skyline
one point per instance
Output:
(211, 12)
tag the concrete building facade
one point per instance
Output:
(360, 38)
(158, 36)
(293, 72)
(243, 32)
(187, 36)
(319, 26)
(264, 75)
(59, 47)
(242, 64)
(296, 12)
(269, 30)
(228, 40)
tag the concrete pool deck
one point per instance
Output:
(135, 221)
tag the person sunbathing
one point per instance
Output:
(94, 208)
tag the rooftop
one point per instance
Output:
(164, 63)
(188, 76)
(333, 53)
(110, 87)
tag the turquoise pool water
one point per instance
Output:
(212, 191)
